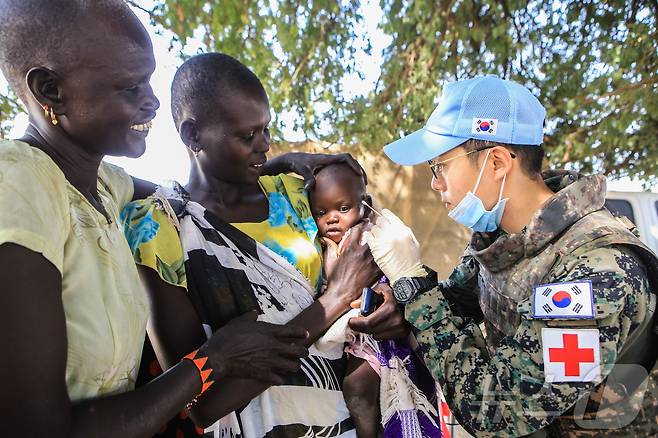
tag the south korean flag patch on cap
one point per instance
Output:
(569, 300)
(484, 126)
(571, 355)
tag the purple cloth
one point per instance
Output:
(404, 424)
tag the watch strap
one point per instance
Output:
(418, 284)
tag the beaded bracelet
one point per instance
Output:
(200, 361)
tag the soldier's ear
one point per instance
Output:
(502, 162)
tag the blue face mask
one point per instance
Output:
(471, 213)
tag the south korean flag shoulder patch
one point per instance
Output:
(568, 300)
(571, 355)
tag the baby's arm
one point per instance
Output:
(329, 258)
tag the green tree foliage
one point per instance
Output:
(9, 107)
(593, 64)
(300, 50)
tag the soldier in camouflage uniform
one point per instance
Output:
(563, 286)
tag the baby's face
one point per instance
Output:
(336, 208)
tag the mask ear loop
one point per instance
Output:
(500, 195)
(477, 183)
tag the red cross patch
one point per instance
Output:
(571, 355)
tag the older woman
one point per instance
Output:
(247, 242)
(73, 312)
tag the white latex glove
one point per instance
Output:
(394, 248)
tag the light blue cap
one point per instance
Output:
(483, 108)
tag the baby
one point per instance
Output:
(337, 205)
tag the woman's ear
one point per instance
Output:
(45, 86)
(189, 133)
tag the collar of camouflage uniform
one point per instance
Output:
(576, 196)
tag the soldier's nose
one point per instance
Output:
(437, 184)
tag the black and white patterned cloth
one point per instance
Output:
(228, 274)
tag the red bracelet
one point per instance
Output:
(200, 361)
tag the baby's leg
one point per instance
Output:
(361, 392)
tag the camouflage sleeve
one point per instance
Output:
(461, 289)
(505, 393)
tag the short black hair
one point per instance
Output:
(338, 170)
(53, 33)
(201, 83)
(531, 157)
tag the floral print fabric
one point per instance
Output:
(290, 229)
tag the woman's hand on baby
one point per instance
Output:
(307, 165)
(258, 350)
(385, 322)
(354, 269)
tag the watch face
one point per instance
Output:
(403, 290)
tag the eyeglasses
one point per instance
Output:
(439, 167)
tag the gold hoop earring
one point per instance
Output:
(49, 113)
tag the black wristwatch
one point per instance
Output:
(408, 287)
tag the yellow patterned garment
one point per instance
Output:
(105, 305)
(290, 229)
(153, 239)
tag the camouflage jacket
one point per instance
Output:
(495, 384)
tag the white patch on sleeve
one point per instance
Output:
(571, 355)
(569, 300)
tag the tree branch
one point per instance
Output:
(620, 90)
(615, 168)
(152, 15)
(654, 3)
(324, 30)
